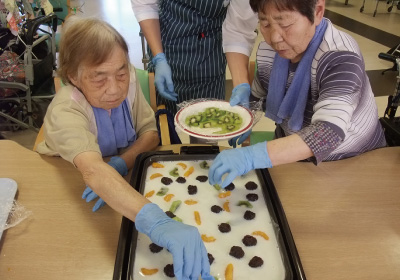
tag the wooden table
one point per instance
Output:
(344, 216)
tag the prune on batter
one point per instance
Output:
(224, 227)
(210, 258)
(251, 186)
(202, 178)
(192, 189)
(236, 252)
(249, 215)
(252, 197)
(249, 240)
(256, 262)
(154, 248)
(216, 209)
(170, 214)
(166, 180)
(230, 187)
(181, 180)
(169, 270)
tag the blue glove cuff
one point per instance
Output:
(159, 57)
(260, 155)
(119, 164)
(149, 216)
(244, 86)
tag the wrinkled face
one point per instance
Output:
(106, 85)
(287, 32)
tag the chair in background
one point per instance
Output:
(146, 81)
(17, 110)
(256, 136)
(392, 2)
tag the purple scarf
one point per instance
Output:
(292, 104)
(115, 131)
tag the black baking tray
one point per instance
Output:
(127, 240)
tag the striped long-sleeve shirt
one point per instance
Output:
(341, 117)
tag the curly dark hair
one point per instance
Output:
(304, 7)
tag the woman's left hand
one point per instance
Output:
(237, 162)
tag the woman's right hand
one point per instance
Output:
(163, 77)
(183, 241)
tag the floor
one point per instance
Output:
(374, 34)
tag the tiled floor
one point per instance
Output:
(346, 17)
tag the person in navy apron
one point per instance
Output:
(187, 40)
(101, 112)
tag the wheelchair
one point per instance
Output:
(390, 122)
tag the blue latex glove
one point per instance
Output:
(237, 162)
(183, 241)
(239, 139)
(241, 95)
(163, 77)
(88, 194)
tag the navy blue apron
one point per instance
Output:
(191, 34)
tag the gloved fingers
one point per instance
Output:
(173, 96)
(99, 203)
(243, 137)
(192, 257)
(86, 192)
(211, 173)
(235, 100)
(219, 172)
(160, 85)
(91, 196)
(232, 142)
(177, 255)
(205, 263)
(169, 83)
(231, 176)
(207, 277)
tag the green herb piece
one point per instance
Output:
(244, 203)
(217, 187)
(204, 165)
(176, 218)
(162, 191)
(174, 172)
(175, 205)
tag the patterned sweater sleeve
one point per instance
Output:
(339, 82)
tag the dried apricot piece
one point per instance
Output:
(206, 238)
(190, 202)
(190, 171)
(157, 165)
(229, 272)
(148, 271)
(181, 164)
(168, 197)
(149, 194)
(224, 194)
(197, 217)
(262, 234)
(226, 206)
(155, 175)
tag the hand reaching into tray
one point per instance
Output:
(238, 162)
(183, 241)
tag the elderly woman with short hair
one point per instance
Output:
(102, 112)
(317, 92)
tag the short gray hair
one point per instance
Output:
(86, 41)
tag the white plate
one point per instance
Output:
(8, 189)
(208, 133)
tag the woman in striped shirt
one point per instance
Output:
(316, 88)
(188, 39)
